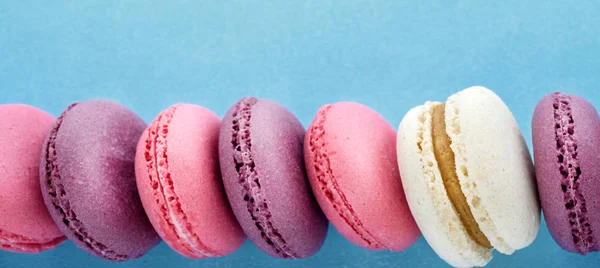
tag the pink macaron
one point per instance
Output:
(352, 168)
(25, 224)
(178, 177)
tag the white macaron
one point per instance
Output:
(468, 177)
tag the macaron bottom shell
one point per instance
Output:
(180, 185)
(21, 244)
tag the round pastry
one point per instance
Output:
(351, 163)
(177, 171)
(25, 225)
(260, 152)
(566, 145)
(468, 177)
(88, 180)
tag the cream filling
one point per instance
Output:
(445, 159)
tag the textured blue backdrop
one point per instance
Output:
(389, 55)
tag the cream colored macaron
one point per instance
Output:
(468, 177)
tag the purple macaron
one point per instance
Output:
(262, 163)
(88, 180)
(566, 143)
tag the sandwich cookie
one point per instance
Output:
(88, 180)
(351, 161)
(566, 146)
(177, 171)
(260, 153)
(25, 224)
(468, 177)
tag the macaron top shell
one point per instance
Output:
(351, 163)
(180, 183)
(88, 180)
(25, 225)
(566, 144)
(497, 173)
(263, 170)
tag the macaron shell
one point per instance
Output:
(192, 144)
(586, 132)
(95, 147)
(277, 142)
(426, 195)
(494, 168)
(277, 138)
(22, 131)
(360, 147)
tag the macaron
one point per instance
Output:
(351, 162)
(25, 225)
(468, 177)
(260, 153)
(566, 146)
(178, 177)
(88, 181)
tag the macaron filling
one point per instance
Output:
(249, 178)
(447, 166)
(157, 162)
(569, 168)
(328, 183)
(12, 242)
(61, 202)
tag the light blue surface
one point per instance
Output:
(388, 55)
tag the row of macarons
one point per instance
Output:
(458, 172)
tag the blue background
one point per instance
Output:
(388, 55)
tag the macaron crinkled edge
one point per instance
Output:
(253, 195)
(179, 182)
(187, 241)
(570, 169)
(328, 183)
(23, 244)
(39, 233)
(565, 142)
